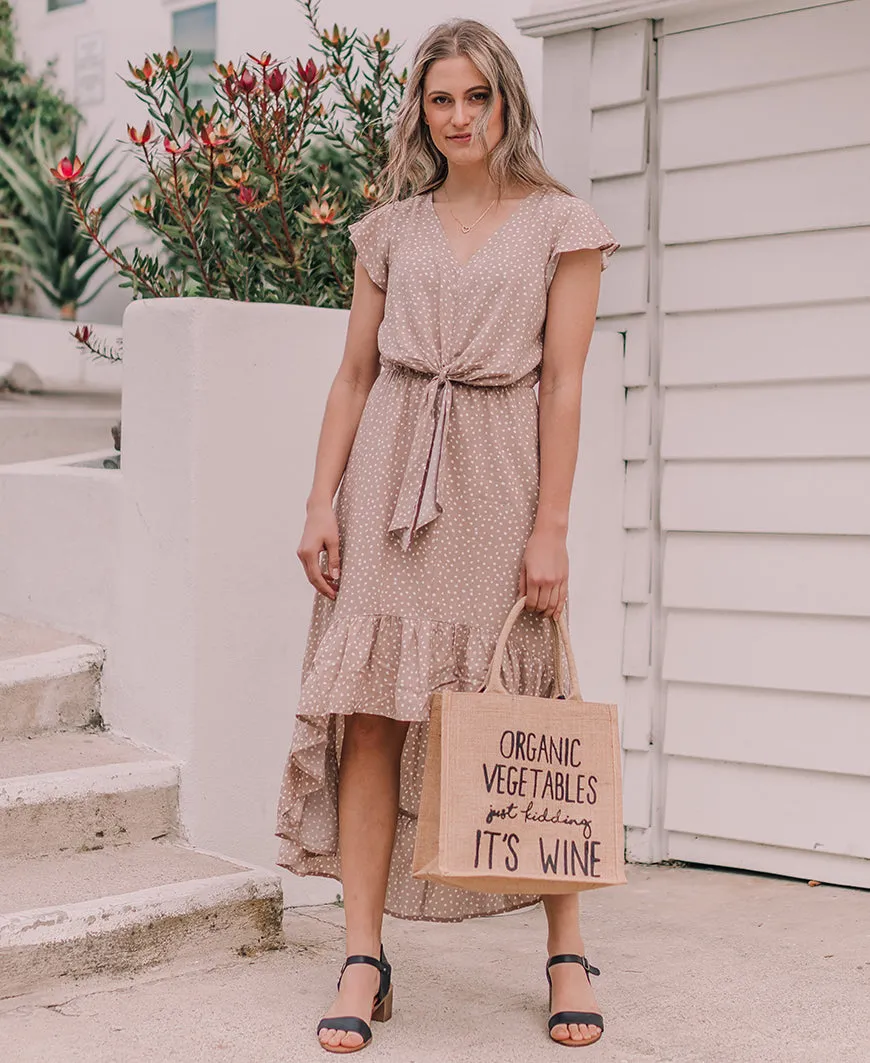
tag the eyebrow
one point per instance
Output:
(474, 88)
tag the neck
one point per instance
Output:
(469, 185)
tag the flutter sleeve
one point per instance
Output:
(370, 235)
(579, 227)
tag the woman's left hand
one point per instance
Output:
(544, 572)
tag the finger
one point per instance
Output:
(533, 596)
(563, 597)
(552, 597)
(315, 576)
(333, 561)
(522, 589)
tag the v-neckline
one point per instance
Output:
(464, 265)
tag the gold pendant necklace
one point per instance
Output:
(466, 228)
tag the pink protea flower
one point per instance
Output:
(246, 82)
(176, 149)
(308, 73)
(276, 80)
(67, 171)
(143, 137)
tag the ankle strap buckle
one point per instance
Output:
(381, 964)
(570, 957)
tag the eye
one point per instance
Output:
(438, 99)
(480, 96)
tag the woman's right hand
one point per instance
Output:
(321, 534)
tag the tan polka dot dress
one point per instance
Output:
(438, 498)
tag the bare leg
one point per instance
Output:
(571, 988)
(368, 805)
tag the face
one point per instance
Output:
(454, 93)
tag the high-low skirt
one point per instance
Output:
(407, 623)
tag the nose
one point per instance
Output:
(461, 115)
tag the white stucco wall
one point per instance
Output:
(59, 546)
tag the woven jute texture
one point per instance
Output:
(521, 794)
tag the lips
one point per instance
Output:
(462, 138)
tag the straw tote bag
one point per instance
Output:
(521, 794)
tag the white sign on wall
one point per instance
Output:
(90, 72)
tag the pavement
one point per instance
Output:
(54, 424)
(698, 966)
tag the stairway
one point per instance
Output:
(94, 872)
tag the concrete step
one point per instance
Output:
(80, 790)
(49, 680)
(128, 907)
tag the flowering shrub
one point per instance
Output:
(237, 202)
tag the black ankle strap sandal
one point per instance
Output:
(382, 1009)
(582, 1018)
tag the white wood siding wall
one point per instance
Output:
(596, 122)
(764, 225)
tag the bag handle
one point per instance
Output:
(493, 678)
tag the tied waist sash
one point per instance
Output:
(419, 501)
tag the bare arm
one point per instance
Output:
(344, 406)
(572, 304)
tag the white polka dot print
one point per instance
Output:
(434, 510)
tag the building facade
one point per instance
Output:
(729, 145)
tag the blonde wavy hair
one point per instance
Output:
(416, 166)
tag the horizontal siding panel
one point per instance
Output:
(636, 641)
(637, 500)
(595, 533)
(811, 497)
(793, 119)
(636, 769)
(640, 845)
(828, 419)
(636, 714)
(637, 570)
(637, 352)
(624, 284)
(812, 575)
(794, 863)
(772, 806)
(767, 197)
(784, 47)
(772, 652)
(619, 64)
(618, 141)
(622, 204)
(638, 424)
(748, 346)
(769, 270)
(814, 732)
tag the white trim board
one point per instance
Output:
(687, 14)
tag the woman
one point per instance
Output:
(455, 483)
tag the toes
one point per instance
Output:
(335, 1038)
(560, 1032)
(581, 1032)
(352, 1040)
